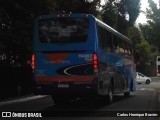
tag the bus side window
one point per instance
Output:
(130, 50)
(121, 47)
(127, 50)
(115, 44)
(102, 37)
(109, 41)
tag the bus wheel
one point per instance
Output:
(110, 96)
(107, 99)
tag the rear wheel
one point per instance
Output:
(110, 96)
(127, 93)
(107, 99)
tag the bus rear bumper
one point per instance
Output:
(72, 88)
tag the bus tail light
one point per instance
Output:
(157, 72)
(33, 61)
(95, 62)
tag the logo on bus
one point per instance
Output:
(87, 57)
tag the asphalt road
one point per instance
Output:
(146, 99)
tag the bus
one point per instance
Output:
(77, 55)
(158, 65)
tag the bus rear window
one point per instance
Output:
(63, 30)
(158, 58)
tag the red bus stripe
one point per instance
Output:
(64, 79)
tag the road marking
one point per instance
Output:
(150, 89)
(22, 100)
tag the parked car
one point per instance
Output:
(140, 78)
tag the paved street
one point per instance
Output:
(145, 99)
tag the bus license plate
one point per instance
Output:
(63, 85)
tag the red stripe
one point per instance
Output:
(64, 79)
(57, 58)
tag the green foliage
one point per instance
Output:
(121, 14)
(147, 58)
(134, 34)
(146, 51)
(17, 18)
(76, 6)
(150, 31)
(110, 13)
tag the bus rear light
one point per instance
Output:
(95, 61)
(157, 72)
(33, 61)
(95, 57)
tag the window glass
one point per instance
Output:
(115, 44)
(121, 47)
(101, 37)
(109, 41)
(130, 49)
(63, 30)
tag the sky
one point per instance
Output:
(142, 18)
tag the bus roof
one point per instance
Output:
(114, 31)
(65, 15)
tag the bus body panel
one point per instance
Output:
(65, 67)
(121, 65)
(69, 67)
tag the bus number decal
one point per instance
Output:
(87, 57)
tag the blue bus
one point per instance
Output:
(77, 55)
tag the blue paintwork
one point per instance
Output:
(89, 47)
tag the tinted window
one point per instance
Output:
(158, 58)
(102, 37)
(105, 39)
(63, 30)
(115, 41)
(121, 47)
(140, 75)
(112, 42)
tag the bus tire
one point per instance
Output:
(107, 99)
(127, 93)
(110, 95)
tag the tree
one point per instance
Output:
(134, 34)
(146, 51)
(147, 58)
(121, 14)
(110, 13)
(77, 6)
(16, 27)
(150, 31)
